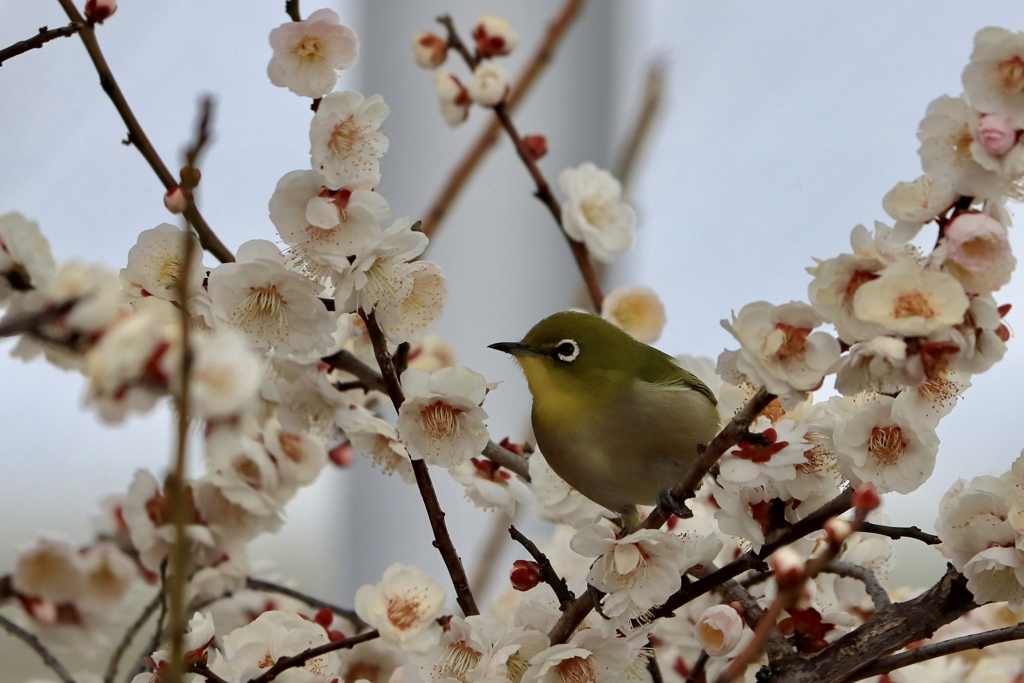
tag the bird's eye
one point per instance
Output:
(567, 350)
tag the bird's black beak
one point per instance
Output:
(514, 349)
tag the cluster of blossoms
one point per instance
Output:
(278, 344)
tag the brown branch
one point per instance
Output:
(33, 642)
(35, 321)
(897, 532)
(891, 629)
(442, 540)
(697, 673)
(535, 65)
(285, 663)
(867, 577)
(291, 8)
(255, 584)
(129, 635)
(204, 671)
(723, 441)
(137, 136)
(44, 36)
(516, 464)
(548, 573)
(543, 188)
(974, 641)
(636, 145)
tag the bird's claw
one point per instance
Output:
(668, 503)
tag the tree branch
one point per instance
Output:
(897, 532)
(442, 540)
(461, 174)
(286, 663)
(879, 596)
(255, 584)
(44, 36)
(551, 577)
(137, 136)
(129, 635)
(40, 649)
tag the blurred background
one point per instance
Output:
(782, 127)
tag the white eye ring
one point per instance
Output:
(567, 350)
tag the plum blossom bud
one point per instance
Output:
(838, 530)
(536, 146)
(996, 133)
(976, 241)
(719, 630)
(494, 37)
(98, 10)
(488, 85)
(525, 575)
(866, 499)
(788, 567)
(429, 50)
(452, 96)
(175, 200)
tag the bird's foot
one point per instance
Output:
(670, 504)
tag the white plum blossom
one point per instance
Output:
(490, 486)
(441, 420)
(452, 96)
(52, 570)
(752, 463)
(890, 450)
(779, 349)
(404, 607)
(637, 310)
(252, 649)
(479, 648)
(494, 36)
(25, 258)
(879, 364)
(636, 572)
(226, 375)
(912, 204)
(379, 440)
(299, 456)
(489, 84)
(593, 211)
(911, 300)
(324, 229)
(247, 476)
(346, 143)
(588, 656)
(308, 53)
(978, 252)
(272, 306)
(719, 630)
(198, 638)
(934, 398)
(994, 78)
(557, 501)
(156, 264)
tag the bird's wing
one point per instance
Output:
(670, 375)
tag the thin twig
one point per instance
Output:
(897, 532)
(129, 635)
(286, 663)
(137, 136)
(974, 641)
(460, 175)
(636, 144)
(255, 584)
(723, 441)
(516, 464)
(442, 540)
(204, 671)
(547, 572)
(33, 642)
(35, 321)
(177, 500)
(697, 673)
(291, 8)
(652, 667)
(879, 597)
(543, 188)
(44, 36)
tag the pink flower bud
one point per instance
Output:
(838, 530)
(494, 36)
(429, 49)
(536, 145)
(98, 10)
(866, 499)
(719, 630)
(174, 200)
(976, 241)
(788, 567)
(996, 133)
(525, 574)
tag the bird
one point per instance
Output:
(618, 420)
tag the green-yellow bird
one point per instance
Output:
(617, 419)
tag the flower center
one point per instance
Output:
(308, 50)
(597, 213)
(403, 611)
(168, 272)
(962, 140)
(1011, 75)
(857, 278)
(440, 421)
(912, 305)
(577, 670)
(455, 662)
(887, 445)
(344, 137)
(794, 341)
(262, 304)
